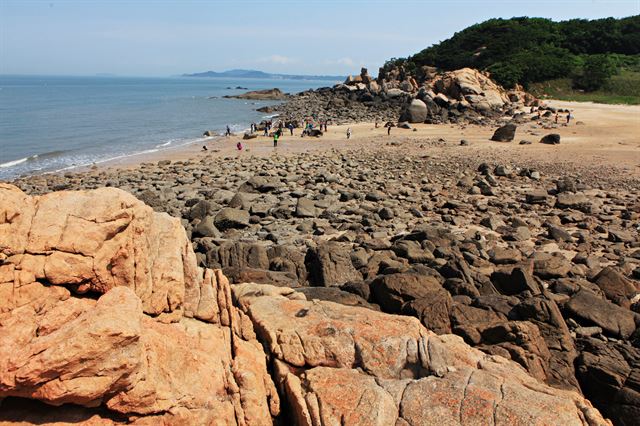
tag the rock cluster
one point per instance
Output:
(106, 318)
(460, 96)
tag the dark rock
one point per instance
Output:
(544, 313)
(559, 234)
(386, 213)
(577, 201)
(261, 276)
(260, 184)
(418, 295)
(239, 255)
(305, 208)
(537, 197)
(359, 288)
(505, 133)
(206, 228)
(616, 286)
(200, 210)
(336, 295)
(152, 199)
(514, 282)
(229, 218)
(520, 341)
(415, 112)
(609, 374)
(614, 320)
(457, 287)
(329, 264)
(547, 265)
(502, 255)
(551, 139)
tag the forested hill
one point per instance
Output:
(526, 50)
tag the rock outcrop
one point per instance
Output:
(427, 96)
(344, 365)
(105, 318)
(102, 305)
(266, 95)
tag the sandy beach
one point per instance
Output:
(600, 135)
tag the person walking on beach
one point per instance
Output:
(349, 133)
(556, 118)
(228, 132)
(388, 130)
(290, 126)
(276, 136)
(266, 130)
(568, 116)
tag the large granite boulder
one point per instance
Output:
(157, 340)
(472, 86)
(348, 365)
(416, 112)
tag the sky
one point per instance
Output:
(171, 37)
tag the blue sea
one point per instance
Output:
(50, 124)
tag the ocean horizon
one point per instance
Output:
(57, 123)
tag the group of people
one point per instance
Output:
(569, 116)
(307, 125)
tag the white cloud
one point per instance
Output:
(346, 61)
(278, 59)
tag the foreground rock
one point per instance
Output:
(338, 364)
(159, 340)
(505, 133)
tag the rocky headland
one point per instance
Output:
(426, 96)
(266, 94)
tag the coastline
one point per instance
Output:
(588, 143)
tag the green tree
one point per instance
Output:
(596, 71)
(535, 49)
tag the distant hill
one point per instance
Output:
(528, 50)
(261, 74)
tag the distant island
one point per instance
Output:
(262, 74)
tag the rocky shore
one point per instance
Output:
(106, 318)
(462, 96)
(535, 264)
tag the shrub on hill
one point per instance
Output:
(528, 50)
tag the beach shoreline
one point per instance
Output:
(585, 141)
